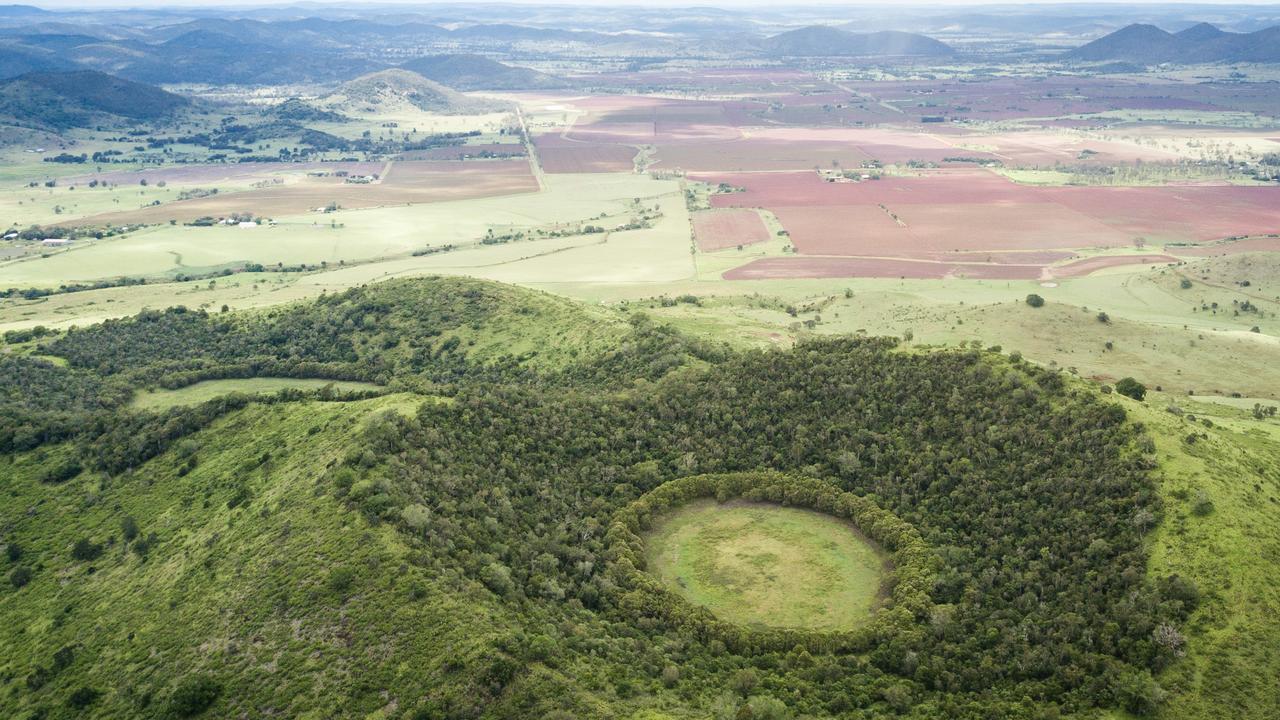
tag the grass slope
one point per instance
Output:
(210, 389)
(1221, 493)
(291, 605)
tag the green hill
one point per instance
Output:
(81, 98)
(458, 547)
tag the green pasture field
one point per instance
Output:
(766, 565)
(210, 389)
(567, 203)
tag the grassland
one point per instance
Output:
(1220, 481)
(210, 389)
(759, 564)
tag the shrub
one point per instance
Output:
(1035, 300)
(763, 707)
(86, 549)
(129, 528)
(83, 697)
(1203, 505)
(341, 579)
(193, 696)
(1131, 388)
(20, 576)
(62, 472)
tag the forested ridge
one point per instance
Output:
(1031, 495)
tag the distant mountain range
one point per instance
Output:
(81, 98)
(475, 72)
(826, 41)
(1203, 43)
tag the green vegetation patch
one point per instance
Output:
(768, 565)
(210, 389)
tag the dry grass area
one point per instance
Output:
(404, 183)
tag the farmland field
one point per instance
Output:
(719, 229)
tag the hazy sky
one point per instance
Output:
(114, 4)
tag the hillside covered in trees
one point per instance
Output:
(443, 550)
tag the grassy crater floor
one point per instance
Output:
(760, 564)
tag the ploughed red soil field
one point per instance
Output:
(1008, 98)
(462, 152)
(975, 212)
(807, 148)
(720, 229)
(826, 267)
(559, 155)
(634, 119)
(948, 207)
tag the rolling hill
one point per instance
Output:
(61, 100)
(391, 88)
(825, 41)
(1202, 43)
(461, 542)
(475, 72)
(18, 60)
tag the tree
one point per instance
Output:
(1131, 388)
(744, 681)
(1035, 300)
(129, 528)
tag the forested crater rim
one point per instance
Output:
(644, 595)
